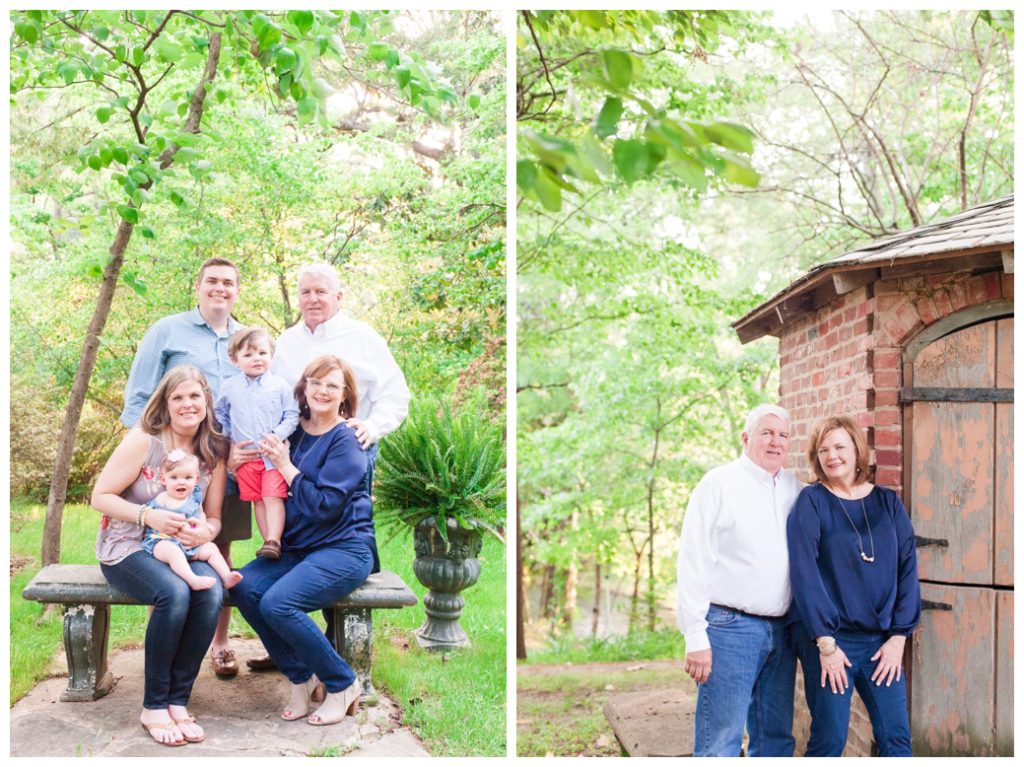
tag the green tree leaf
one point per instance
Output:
(128, 213)
(548, 190)
(608, 118)
(731, 136)
(631, 159)
(619, 67)
(738, 171)
(284, 60)
(167, 50)
(303, 20)
(526, 174)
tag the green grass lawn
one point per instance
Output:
(666, 644)
(561, 711)
(454, 702)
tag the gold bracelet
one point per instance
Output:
(138, 515)
(142, 514)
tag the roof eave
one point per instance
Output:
(826, 282)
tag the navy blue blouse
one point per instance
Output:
(833, 588)
(327, 501)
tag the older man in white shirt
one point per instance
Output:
(733, 595)
(324, 329)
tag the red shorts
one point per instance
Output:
(256, 482)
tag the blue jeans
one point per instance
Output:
(180, 629)
(275, 596)
(371, 460)
(830, 712)
(753, 672)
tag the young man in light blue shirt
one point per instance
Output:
(198, 337)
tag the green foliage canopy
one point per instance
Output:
(593, 110)
(419, 238)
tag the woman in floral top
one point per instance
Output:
(179, 415)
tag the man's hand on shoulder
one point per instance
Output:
(698, 665)
(363, 432)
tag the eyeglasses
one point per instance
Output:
(312, 383)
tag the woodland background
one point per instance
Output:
(143, 143)
(373, 141)
(675, 169)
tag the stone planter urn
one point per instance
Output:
(446, 568)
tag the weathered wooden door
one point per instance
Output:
(958, 419)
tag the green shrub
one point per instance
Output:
(442, 466)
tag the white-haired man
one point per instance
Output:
(324, 329)
(733, 595)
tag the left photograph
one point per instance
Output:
(257, 380)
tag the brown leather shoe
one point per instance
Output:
(266, 663)
(270, 550)
(224, 664)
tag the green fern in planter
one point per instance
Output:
(441, 466)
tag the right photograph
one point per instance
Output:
(764, 383)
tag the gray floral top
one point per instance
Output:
(118, 539)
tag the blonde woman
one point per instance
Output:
(178, 416)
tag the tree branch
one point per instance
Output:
(543, 61)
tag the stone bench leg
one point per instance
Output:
(86, 629)
(353, 639)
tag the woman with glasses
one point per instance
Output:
(328, 547)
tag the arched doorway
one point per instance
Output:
(958, 448)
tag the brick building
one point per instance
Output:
(913, 336)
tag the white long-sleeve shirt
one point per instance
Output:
(732, 550)
(383, 393)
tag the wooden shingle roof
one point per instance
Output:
(976, 238)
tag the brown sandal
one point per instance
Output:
(224, 664)
(269, 550)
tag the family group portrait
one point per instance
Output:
(764, 351)
(752, 494)
(257, 316)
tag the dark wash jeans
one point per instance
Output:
(371, 461)
(180, 629)
(275, 596)
(830, 712)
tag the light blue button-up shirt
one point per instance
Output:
(247, 408)
(178, 339)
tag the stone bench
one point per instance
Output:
(87, 597)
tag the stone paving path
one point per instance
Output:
(240, 717)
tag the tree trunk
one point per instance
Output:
(571, 579)
(651, 597)
(547, 592)
(634, 599)
(87, 361)
(595, 612)
(520, 589)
